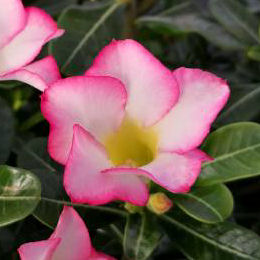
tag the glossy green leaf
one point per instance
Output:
(243, 104)
(236, 152)
(184, 18)
(223, 241)
(88, 29)
(6, 130)
(254, 53)
(209, 204)
(53, 7)
(141, 236)
(237, 20)
(20, 192)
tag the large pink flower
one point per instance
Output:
(23, 32)
(128, 118)
(69, 241)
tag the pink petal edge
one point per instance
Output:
(202, 97)
(151, 87)
(96, 103)
(27, 44)
(85, 182)
(39, 74)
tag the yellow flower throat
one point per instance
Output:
(131, 145)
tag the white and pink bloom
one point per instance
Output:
(23, 32)
(69, 241)
(128, 119)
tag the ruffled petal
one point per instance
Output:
(26, 45)
(86, 180)
(75, 241)
(202, 96)
(40, 250)
(39, 74)
(175, 172)
(12, 19)
(96, 103)
(151, 87)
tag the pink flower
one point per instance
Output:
(128, 118)
(23, 32)
(69, 241)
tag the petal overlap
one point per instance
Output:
(12, 19)
(151, 87)
(202, 97)
(39, 74)
(96, 103)
(86, 180)
(26, 45)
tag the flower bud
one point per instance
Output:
(159, 203)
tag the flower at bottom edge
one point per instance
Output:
(70, 240)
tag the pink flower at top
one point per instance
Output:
(130, 119)
(69, 241)
(23, 32)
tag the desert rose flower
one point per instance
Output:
(69, 241)
(128, 118)
(23, 32)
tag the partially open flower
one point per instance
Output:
(130, 118)
(69, 241)
(23, 32)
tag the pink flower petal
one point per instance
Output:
(85, 182)
(39, 74)
(198, 154)
(12, 19)
(75, 241)
(96, 103)
(203, 95)
(40, 250)
(151, 87)
(175, 172)
(69, 241)
(26, 45)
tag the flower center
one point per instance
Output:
(131, 145)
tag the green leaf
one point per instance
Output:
(33, 155)
(237, 20)
(88, 29)
(53, 7)
(141, 236)
(223, 241)
(6, 131)
(209, 204)
(236, 152)
(185, 19)
(254, 53)
(20, 192)
(243, 104)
